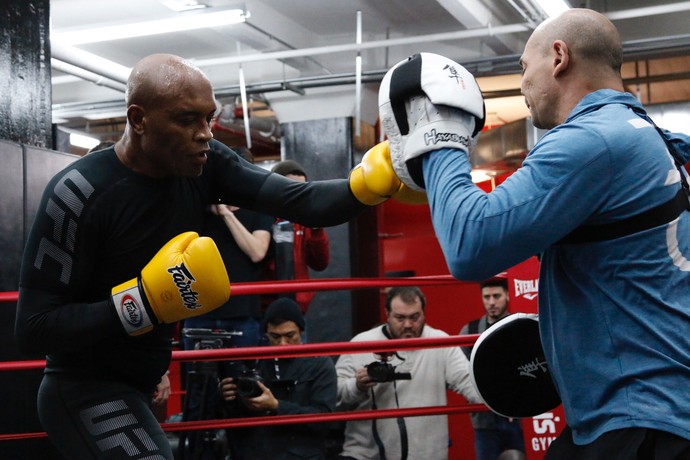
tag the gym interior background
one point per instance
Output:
(294, 79)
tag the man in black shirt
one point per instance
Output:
(102, 219)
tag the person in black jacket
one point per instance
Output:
(281, 387)
(493, 433)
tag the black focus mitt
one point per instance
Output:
(509, 370)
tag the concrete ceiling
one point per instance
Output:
(299, 55)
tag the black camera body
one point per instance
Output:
(384, 372)
(247, 384)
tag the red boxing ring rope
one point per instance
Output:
(290, 351)
(273, 287)
(294, 419)
(316, 349)
(331, 284)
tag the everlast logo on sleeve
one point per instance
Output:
(183, 280)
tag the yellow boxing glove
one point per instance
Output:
(373, 180)
(185, 278)
(408, 196)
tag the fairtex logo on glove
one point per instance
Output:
(183, 280)
(433, 137)
(131, 310)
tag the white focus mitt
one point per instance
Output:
(428, 102)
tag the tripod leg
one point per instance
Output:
(201, 435)
(206, 440)
(191, 378)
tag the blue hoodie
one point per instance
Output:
(614, 315)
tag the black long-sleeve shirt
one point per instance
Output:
(99, 223)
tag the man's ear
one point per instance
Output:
(561, 57)
(135, 117)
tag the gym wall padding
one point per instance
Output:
(12, 212)
(26, 171)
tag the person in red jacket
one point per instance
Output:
(297, 248)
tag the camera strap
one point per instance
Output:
(276, 368)
(400, 421)
(401, 427)
(384, 331)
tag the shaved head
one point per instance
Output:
(170, 107)
(589, 35)
(566, 58)
(161, 76)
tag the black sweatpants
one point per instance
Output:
(88, 418)
(625, 444)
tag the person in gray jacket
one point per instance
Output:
(404, 379)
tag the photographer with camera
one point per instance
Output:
(403, 379)
(284, 386)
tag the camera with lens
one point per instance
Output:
(247, 384)
(385, 372)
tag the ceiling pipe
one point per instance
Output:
(77, 109)
(299, 85)
(445, 36)
(88, 61)
(495, 65)
(84, 74)
(648, 11)
(119, 73)
(296, 85)
(286, 44)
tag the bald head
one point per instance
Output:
(170, 107)
(565, 59)
(162, 76)
(590, 36)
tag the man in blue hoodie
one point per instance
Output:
(600, 198)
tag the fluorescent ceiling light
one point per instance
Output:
(553, 7)
(183, 5)
(146, 28)
(82, 140)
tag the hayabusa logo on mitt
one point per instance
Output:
(538, 364)
(183, 280)
(434, 137)
(455, 74)
(131, 310)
